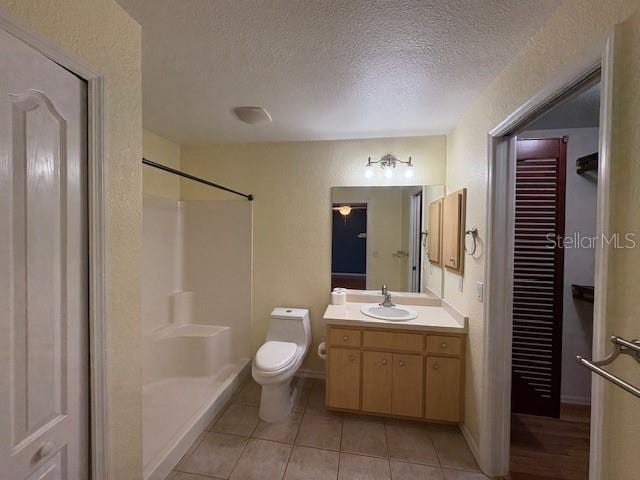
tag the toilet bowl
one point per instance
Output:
(279, 358)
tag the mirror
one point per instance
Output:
(380, 235)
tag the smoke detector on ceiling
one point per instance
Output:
(252, 115)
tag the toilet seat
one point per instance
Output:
(274, 356)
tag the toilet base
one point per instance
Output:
(276, 402)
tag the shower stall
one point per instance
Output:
(196, 319)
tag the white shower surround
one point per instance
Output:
(192, 365)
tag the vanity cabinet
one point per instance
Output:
(453, 227)
(393, 372)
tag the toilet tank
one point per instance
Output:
(290, 325)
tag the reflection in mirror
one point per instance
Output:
(379, 236)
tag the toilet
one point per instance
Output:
(279, 358)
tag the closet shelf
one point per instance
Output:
(582, 292)
(587, 163)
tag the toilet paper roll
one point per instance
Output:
(338, 298)
(322, 350)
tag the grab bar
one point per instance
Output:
(622, 347)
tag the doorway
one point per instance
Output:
(500, 280)
(44, 267)
(349, 246)
(415, 242)
(556, 184)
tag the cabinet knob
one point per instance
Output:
(345, 338)
(443, 345)
(352, 357)
(436, 366)
(384, 361)
(401, 363)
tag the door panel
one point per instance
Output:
(43, 268)
(453, 224)
(344, 378)
(377, 371)
(407, 385)
(443, 399)
(538, 276)
(621, 416)
(38, 256)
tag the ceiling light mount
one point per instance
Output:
(252, 115)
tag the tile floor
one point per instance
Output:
(316, 444)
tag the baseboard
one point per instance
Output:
(573, 400)
(473, 446)
(308, 373)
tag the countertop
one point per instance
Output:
(432, 318)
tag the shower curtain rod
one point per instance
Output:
(194, 178)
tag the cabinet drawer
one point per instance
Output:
(441, 344)
(344, 337)
(400, 342)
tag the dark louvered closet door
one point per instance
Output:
(538, 277)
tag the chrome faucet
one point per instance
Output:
(387, 297)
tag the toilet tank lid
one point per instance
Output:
(289, 313)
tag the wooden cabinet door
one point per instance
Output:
(442, 392)
(377, 375)
(407, 395)
(434, 232)
(452, 230)
(343, 387)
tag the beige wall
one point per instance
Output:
(156, 182)
(292, 222)
(102, 34)
(567, 39)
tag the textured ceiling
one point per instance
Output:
(324, 69)
(581, 111)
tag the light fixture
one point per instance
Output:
(252, 115)
(408, 173)
(368, 171)
(344, 210)
(388, 163)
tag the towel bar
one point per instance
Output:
(622, 347)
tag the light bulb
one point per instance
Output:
(388, 173)
(408, 173)
(368, 172)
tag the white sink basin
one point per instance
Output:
(399, 313)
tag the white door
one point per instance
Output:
(44, 409)
(415, 235)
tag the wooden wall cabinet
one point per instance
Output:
(454, 208)
(434, 233)
(400, 373)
